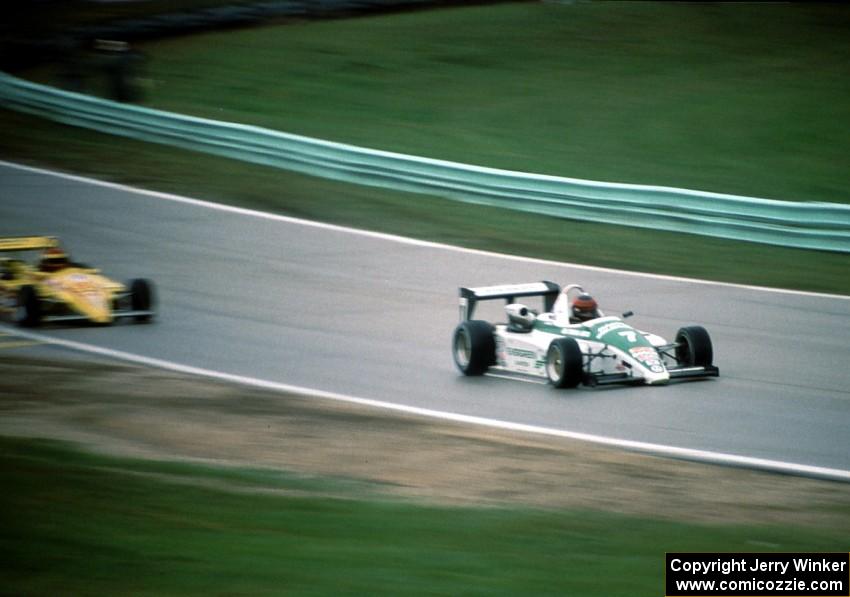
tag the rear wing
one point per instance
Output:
(469, 297)
(28, 243)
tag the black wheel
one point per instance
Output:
(564, 363)
(28, 312)
(473, 347)
(693, 347)
(142, 298)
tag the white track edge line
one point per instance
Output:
(405, 240)
(703, 456)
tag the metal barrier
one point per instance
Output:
(824, 226)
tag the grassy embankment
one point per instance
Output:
(106, 525)
(729, 98)
(303, 497)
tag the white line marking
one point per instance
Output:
(404, 240)
(635, 446)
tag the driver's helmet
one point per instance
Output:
(53, 259)
(585, 308)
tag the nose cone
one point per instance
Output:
(657, 379)
(83, 293)
(96, 307)
(93, 304)
(656, 374)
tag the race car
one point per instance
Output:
(572, 342)
(51, 288)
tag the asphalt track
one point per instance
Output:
(369, 316)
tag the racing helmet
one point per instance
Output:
(53, 259)
(585, 308)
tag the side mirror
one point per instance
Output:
(628, 314)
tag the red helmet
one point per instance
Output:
(585, 307)
(53, 259)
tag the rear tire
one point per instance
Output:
(142, 298)
(473, 347)
(564, 363)
(28, 312)
(693, 347)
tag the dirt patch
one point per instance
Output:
(143, 412)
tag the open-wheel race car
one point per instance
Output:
(52, 288)
(571, 341)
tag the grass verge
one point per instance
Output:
(90, 524)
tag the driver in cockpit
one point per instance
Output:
(583, 308)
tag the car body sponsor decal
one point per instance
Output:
(614, 325)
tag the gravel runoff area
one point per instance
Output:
(135, 411)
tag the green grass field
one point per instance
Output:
(733, 98)
(110, 526)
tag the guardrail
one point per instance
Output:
(824, 226)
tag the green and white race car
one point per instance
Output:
(571, 341)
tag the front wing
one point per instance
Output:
(70, 317)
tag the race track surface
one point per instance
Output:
(371, 317)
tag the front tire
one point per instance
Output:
(693, 347)
(564, 363)
(142, 298)
(473, 347)
(28, 312)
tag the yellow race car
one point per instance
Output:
(52, 288)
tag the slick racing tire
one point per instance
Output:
(473, 347)
(564, 363)
(28, 312)
(693, 347)
(142, 298)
